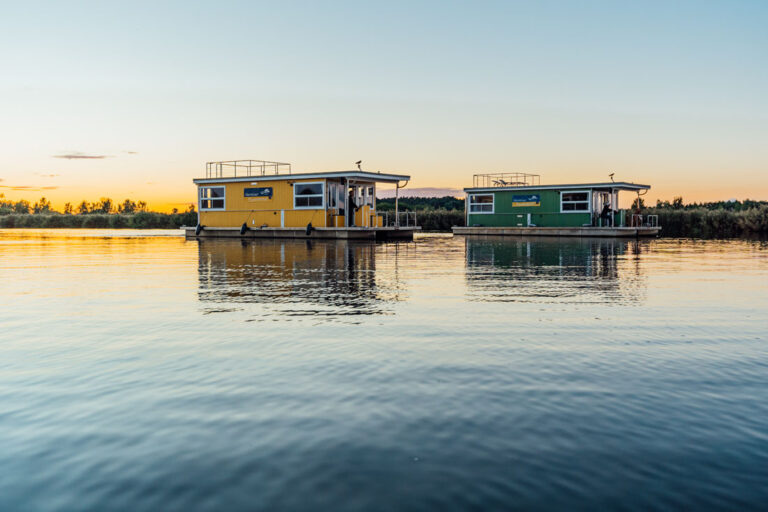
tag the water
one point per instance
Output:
(153, 373)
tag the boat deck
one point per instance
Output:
(350, 233)
(586, 231)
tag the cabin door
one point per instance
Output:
(602, 202)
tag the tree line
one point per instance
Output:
(677, 203)
(718, 219)
(103, 206)
(104, 213)
(715, 219)
(417, 204)
(451, 203)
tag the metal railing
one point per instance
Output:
(651, 221)
(402, 219)
(235, 168)
(505, 179)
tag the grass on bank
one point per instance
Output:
(104, 213)
(139, 220)
(718, 223)
(725, 219)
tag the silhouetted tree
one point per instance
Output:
(21, 206)
(6, 207)
(42, 206)
(103, 206)
(127, 206)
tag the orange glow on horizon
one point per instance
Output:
(165, 200)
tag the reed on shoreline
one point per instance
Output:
(138, 220)
(677, 223)
(717, 223)
(711, 220)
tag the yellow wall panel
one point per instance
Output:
(276, 211)
(259, 211)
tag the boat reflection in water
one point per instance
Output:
(573, 270)
(294, 278)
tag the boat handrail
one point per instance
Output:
(505, 179)
(230, 168)
(401, 219)
(651, 221)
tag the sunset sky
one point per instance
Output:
(130, 99)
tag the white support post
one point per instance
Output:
(346, 202)
(466, 209)
(397, 211)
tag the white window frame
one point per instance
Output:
(493, 204)
(321, 195)
(369, 194)
(588, 201)
(200, 199)
(332, 195)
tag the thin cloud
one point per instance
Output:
(46, 175)
(131, 152)
(81, 156)
(28, 188)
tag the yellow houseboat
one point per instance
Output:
(260, 199)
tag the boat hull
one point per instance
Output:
(384, 233)
(585, 231)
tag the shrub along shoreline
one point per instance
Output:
(712, 220)
(675, 223)
(716, 223)
(139, 220)
(691, 222)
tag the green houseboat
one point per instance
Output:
(517, 204)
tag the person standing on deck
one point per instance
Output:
(606, 214)
(352, 208)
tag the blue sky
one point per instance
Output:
(667, 93)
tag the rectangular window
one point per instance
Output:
(481, 203)
(211, 198)
(574, 201)
(309, 195)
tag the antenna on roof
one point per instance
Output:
(359, 165)
(611, 176)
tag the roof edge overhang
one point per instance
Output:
(367, 176)
(619, 185)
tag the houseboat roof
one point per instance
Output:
(354, 174)
(618, 185)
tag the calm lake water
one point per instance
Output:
(140, 371)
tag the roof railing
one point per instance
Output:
(242, 168)
(506, 179)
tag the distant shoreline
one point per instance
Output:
(696, 222)
(139, 220)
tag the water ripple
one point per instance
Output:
(154, 373)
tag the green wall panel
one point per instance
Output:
(547, 214)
